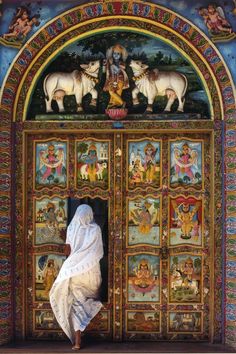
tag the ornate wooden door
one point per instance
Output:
(167, 237)
(64, 171)
(152, 197)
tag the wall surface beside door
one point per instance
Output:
(13, 45)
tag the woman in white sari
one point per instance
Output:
(74, 294)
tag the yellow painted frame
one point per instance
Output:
(34, 255)
(202, 225)
(159, 196)
(46, 187)
(187, 332)
(127, 164)
(127, 278)
(35, 199)
(108, 164)
(43, 330)
(144, 311)
(201, 287)
(179, 139)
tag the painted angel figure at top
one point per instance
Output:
(214, 19)
(21, 24)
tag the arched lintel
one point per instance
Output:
(169, 25)
(107, 29)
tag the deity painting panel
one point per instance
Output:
(144, 221)
(185, 221)
(185, 278)
(46, 270)
(144, 164)
(119, 80)
(92, 163)
(51, 164)
(50, 220)
(143, 278)
(142, 321)
(100, 323)
(186, 164)
(183, 322)
(45, 320)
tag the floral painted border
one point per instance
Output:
(112, 11)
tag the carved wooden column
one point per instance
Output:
(117, 238)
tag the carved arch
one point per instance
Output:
(97, 17)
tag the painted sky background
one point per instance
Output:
(50, 9)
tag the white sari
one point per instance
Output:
(74, 292)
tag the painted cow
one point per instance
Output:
(101, 167)
(153, 83)
(78, 83)
(83, 172)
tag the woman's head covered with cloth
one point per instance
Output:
(85, 240)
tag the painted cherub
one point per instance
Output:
(214, 19)
(17, 27)
(30, 24)
(21, 24)
(217, 20)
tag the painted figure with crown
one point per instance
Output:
(116, 76)
(185, 278)
(92, 163)
(49, 275)
(149, 162)
(144, 163)
(185, 214)
(51, 163)
(143, 277)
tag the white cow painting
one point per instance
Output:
(100, 167)
(78, 83)
(153, 83)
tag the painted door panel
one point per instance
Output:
(167, 237)
(67, 171)
(151, 195)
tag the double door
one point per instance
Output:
(151, 195)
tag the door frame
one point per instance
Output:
(116, 321)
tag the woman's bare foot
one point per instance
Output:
(77, 345)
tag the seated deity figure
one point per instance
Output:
(144, 277)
